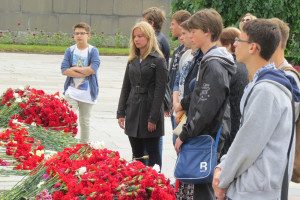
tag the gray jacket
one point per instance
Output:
(254, 166)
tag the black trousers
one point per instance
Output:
(151, 145)
(204, 192)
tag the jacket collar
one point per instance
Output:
(154, 54)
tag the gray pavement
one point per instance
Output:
(43, 72)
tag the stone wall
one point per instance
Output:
(105, 16)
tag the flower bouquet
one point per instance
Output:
(86, 172)
(32, 106)
(24, 146)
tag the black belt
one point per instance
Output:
(140, 90)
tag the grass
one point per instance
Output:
(47, 49)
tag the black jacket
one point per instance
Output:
(142, 96)
(237, 85)
(174, 65)
(163, 45)
(165, 49)
(192, 74)
(210, 96)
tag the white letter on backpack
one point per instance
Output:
(203, 165)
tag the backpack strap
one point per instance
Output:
(285, 181)
(292, 69)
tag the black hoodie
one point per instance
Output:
(210, 96)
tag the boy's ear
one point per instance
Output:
(254, 47)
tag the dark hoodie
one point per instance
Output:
(282, 78)
(210, 96)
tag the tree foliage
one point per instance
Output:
(231, 11)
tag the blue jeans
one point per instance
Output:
(174, 139)
(160, 148)
(173, 122)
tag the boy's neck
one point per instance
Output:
(207, 47)
(254, 65)
(278, 57)
(82, 46)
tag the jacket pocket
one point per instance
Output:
(260, 177)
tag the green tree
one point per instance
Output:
(231, 11)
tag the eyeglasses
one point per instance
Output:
(239, 40)
(80, 33)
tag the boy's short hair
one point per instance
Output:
(181, 16)
(83, 25)
(155, 15)
(208, 20)
(185, 25)
(284, 30)
(251, 16)
(228, 36)
(265, 33)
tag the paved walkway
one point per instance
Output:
(43, 72)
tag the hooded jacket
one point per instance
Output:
(254, 166)
(210, 96)
(190, 79)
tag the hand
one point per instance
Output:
(179, 114)
(219, 192)
(178, 144)
(151, 127)
(121, 122)
(77, 69)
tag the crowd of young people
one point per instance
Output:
(217, 77)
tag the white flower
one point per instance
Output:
(81, 171)
(97, 145)
(16, 95)
(15, 121)
(18, 100)
(21, 88)
(39, 153)
(40, 184)
(33, 124)
(156, 167)
(49, 154)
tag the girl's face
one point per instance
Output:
(139, 39)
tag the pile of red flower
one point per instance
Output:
(36, 107)
(23, 148)
(82, 172)
(26, 144)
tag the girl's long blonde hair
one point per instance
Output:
(152, 44)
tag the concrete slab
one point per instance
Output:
(43, 72)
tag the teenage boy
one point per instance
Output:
(255, 164)
(156, 18)
(209, 98)
(177, 18)
(80, 65)
(278, 56)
